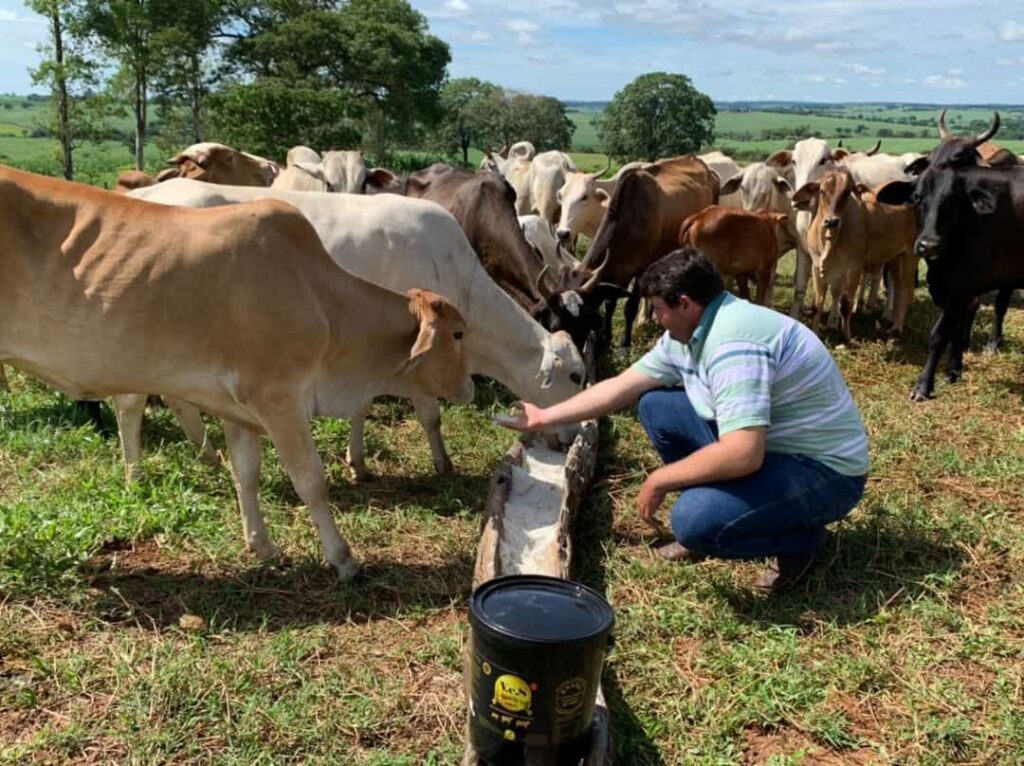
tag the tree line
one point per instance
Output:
(265, 75)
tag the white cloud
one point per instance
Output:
(947, 83)
(524, 30)
(955, 71)
(864, 69)
(1012, 31)
(479, 36)
(456, 7)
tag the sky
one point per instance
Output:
(927, 51)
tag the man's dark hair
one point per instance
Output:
(686, 271)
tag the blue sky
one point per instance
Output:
(933, 51)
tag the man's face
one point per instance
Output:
(681, 320)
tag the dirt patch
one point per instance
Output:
(761, 743)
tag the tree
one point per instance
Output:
(124, 29)
(70, 78)
(657, 115)
(467, 104)
(376, 56)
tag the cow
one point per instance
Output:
(221, 164)
(641, 225)
(851, 233)
(811, 158)
(970, 233)
(725, 167)
(398, 243)
(536, 180)
(739, 242)
(583, 199)
(538, 234)
(483, 205)
(240, 311)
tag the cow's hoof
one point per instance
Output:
(919, 395)
(991, 349)
(211, 458)
(953, 376)
(264, 549)
(346, 567)
(444, 467)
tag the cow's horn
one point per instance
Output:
(943, 132)
(983, 137)
(540, 281)
(595, 277)
(606, 169)
(874, 149)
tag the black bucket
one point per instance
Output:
(537, 646)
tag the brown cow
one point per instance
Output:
(484, 205)
(851, 232)
(220, 164)
(641, 225)
(238, 310)
(740, 243)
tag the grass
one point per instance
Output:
(907, 648)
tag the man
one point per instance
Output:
(750, 415)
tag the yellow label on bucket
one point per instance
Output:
(512, 693)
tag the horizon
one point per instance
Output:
(968, 54)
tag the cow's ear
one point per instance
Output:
(782, 185)
(780, 159)
(423, 305)
(603, 196)
(896, 193)
(806, 197)
(917, 167)
(983, 201)
(731, 186)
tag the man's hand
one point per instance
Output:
(650, 499)
(527, 417)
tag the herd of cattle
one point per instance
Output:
(227, 296)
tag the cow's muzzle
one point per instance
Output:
(927, 247)
(563, 235)
(832, 222)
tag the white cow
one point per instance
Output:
(583, 198)
(536, 181)
(538, 234)
(393, 241)
(725, 167)
(337, 171)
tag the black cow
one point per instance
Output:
(970, 233)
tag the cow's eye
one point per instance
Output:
(823, 160)
(575, 378)
(458, 336)
(583, 198)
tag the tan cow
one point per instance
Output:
(238, 310)
(850, 233)
(583, 199)
(220, 164)
(740, 243)
(133, 179)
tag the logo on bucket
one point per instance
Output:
(512, 693)
(569, 696)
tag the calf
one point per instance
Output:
(852, 232)
(740, 243)
(237, 310)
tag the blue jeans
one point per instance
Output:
(780, 510)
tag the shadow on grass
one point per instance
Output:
(1013, 387)
(270, 598)
(866, 567)
(59, 412)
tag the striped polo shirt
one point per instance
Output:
(748, 365)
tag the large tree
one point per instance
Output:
(468, 107)
(376, 57)
(657, 115)
(540, 120)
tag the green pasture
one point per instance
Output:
(135, 629)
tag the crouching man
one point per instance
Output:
(751, 416)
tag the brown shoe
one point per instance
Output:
(676, 552)
(785, 572)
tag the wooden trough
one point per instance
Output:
(532, 500)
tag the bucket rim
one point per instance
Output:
(478, 618)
